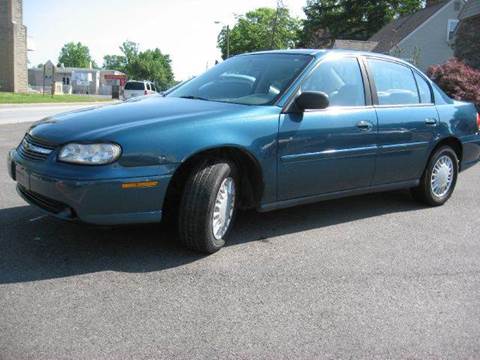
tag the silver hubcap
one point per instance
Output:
(224, 205)
(442, 176)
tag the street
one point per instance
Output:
(375, 277)
(14, 114)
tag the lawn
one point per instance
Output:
(12, 98)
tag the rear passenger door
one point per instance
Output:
(407, 120)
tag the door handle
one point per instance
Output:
(431, 121)
(365, 125)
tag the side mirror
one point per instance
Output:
(311, 100)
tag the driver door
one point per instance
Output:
(333, 149)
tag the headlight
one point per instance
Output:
(90, 154)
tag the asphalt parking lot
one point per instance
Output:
(376, 276)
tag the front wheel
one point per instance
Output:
(207, 207)
(439, 179)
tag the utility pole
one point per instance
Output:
(227, 35)
(275, 22)
(43, 86)
(228, 41)
(53, 80)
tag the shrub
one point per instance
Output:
(457, 79)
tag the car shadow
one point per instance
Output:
(34, 247)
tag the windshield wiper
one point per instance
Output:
(194, 97)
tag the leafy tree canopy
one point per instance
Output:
(327, 20)
(75, 55)
(147, 65)
(114, 62)
(261, 29)
(467, 42)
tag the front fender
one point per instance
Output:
(253, 129)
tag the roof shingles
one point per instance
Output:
(394, 32)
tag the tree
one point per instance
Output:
(261, 29)
(152, 65)
(75, 55)
(147, 65)
(114, 62)
(327, 20)
(129, 50)
(467, 42)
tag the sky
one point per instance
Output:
(184, 29)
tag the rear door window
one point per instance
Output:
(394, 82)
(134, 85)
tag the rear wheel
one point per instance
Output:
(207, 207)
(439, 179)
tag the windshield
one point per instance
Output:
(250, 79)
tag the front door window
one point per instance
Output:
(341, 80)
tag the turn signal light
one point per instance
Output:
(142, 184)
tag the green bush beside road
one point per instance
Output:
(13, 98)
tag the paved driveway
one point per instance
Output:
(375, 276)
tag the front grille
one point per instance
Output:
(34, 149)
(43, 202)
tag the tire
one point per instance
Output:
(198, 205)
(426, 192)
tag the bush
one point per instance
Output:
(458, 80)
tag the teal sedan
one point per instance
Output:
(265, 130)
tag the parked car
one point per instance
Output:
(266, 130)
(135, 88)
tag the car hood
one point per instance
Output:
(100, 123)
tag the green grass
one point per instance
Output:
(12, 98)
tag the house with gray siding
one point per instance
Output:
(424, 38)
(470, 10)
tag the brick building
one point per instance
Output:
(13, 47)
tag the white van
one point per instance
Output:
(135, 88)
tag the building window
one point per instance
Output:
(451, 28)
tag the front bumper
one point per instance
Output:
(102, 202)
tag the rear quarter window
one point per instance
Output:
(440, 97)
(423, 89)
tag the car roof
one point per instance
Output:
(319, 53)
(140, 81)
